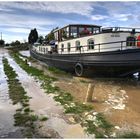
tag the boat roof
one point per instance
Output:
(89, 25)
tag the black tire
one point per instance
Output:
(79, 70)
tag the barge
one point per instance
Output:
(91, 49)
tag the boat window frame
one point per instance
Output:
(68, 46)
(62, 47)
(89, 45)
(131, 42)
(78, 47)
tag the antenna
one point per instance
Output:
(1, 35)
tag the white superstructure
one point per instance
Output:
(78, 38)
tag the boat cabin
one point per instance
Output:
(82, 38)
(75, 30)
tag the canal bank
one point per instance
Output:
(116, 98)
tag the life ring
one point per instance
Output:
(138, 42)
(79, 70)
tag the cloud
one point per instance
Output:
(9, 38)
(98, 17)
(122, 17)
(81, 8)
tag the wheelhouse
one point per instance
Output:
(75, 30)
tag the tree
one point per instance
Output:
(40, 39)
(33, 36)
(2, 42)
(16, 43)
(50, 36)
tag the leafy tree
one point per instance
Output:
(2, 42)
(16, 43)
(50, 36)
(40, 39)
(33, 36)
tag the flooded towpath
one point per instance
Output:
(42, 104)
(7, 110)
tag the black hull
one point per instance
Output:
(123, 62)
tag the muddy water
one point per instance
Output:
(118, 99)
(7, 110)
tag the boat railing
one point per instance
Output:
(116, 29)
(102, 47)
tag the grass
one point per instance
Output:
(78, 108)
(67, 100)
(43, 119)
(56, 71)
(23, 116)
(129, 135)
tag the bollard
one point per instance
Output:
(89, 93)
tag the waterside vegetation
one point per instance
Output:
(84, 114)
(25, 118)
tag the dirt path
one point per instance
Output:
(42, 104)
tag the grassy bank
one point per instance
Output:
(93, 122)
(24, 116)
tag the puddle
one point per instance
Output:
(44, 104)
(7, 110)
(25, 53)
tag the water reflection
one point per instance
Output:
(7, 110)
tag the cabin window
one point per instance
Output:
(90, 44)
(69, 45)
(62, 47)
(77, 45)
(131, 41)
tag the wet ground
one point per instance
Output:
(118, 99)
(7, 110)
(58, 125)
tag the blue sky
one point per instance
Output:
(18, 18)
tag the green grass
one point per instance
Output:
(18, 95)
(129, 135)
(43, 119)
(56, 71)
(78, 108)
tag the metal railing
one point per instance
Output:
(113, 29)
(101, 47)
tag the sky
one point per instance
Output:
(18, 18)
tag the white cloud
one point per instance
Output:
(23, 20)
(82, 8)
(122, 17)
(17, 30)
(9, 38)
(98, 17)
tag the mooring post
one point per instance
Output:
(89, 93)
(138, 76)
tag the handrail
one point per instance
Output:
(121, 28)
(119, 47)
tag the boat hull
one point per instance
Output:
(123, 62)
